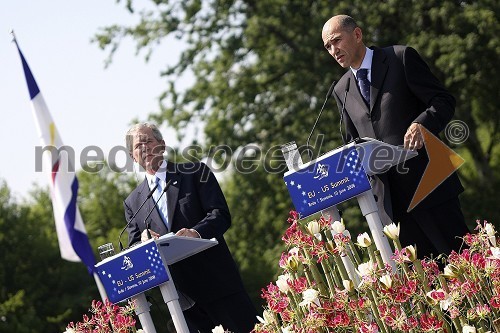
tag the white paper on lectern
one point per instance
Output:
(175, 248)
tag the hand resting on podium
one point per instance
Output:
(184, 232)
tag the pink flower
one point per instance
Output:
(429, 323)
(495, 301)
(276, 301)
(368, 328)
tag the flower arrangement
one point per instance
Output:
(106, 318)
(319, 291)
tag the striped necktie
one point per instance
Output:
(162, 202)
(364, 84)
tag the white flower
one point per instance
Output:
(413, 252)
(314, 227)
(392, 231)
(495, 253)
(445, 304)
(282, 283)
(294, 251)
(309, 297)
(451, 271)
(367, 268)
(338, 227)
(364, 240)
(288, 329)
(69, 330)
(140, 330)
(490, 231)
(218, 329)
(348, 285)
(386, 280)
(268, 317)
(468, 329)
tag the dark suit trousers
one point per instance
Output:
(235, 313)
(436, 230)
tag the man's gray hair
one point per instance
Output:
(129, 137)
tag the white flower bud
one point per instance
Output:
(309, 297)
(338, 227)
(282, 283)
(468, 329)
(364, 240)
(490, 232)
(314, 227)
(392, 231)
(218, 329)
(386, 281)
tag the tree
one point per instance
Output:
(32, 272)
(39, 291)
(261, 73)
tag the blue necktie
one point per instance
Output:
(364, 84)
(162, 203)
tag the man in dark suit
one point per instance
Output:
(208, 282)
(391, 93)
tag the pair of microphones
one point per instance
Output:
(150, 194)
(328, 95)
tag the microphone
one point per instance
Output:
(156, 205)
(135, 214)
(328, 94)
(343, 108)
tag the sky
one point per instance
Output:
(90, 104)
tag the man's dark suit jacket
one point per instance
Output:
(403, 91)
(195, 201)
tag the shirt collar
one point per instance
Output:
(367, 63)
(161, 173)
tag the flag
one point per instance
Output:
(73, 241)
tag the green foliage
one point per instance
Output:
(100, 199)
(32, 272)
(39, 291)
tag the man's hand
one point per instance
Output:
(413, 137)
(188, 233)
(144, 235)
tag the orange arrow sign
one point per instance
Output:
(442, 163)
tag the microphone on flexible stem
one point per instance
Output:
(343, 108)
(155, 205)
(135, 214)
(328, 94)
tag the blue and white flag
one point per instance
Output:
(73, 241)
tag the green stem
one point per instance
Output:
(355, 253)
(335, 275)
(331, 285)
(341, 268)
(320, 282)
(376, 314)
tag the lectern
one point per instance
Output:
(340, 175)
(130, 273)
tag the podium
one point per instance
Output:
(338, 176)
(130, 273)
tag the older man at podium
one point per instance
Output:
(188, 201)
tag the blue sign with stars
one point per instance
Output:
(132, 271)
(329, 180)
